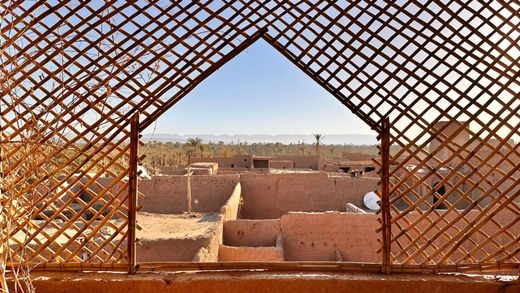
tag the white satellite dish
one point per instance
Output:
(370, 200)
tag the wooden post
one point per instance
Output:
(188, 190)
(386, 217)
(132, 192)
(3, 281)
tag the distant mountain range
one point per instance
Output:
(356, 139)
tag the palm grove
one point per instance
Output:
(176, 155)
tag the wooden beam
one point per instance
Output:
(386, 217)
(132, 192)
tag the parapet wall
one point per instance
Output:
(317, 236)
(266, 196)
(260, 281)
(229, 210)
(168, 194)
(269, 196)
(253, 233)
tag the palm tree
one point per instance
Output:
(318, 138)
(193, 144)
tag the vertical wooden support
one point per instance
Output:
(188, 190)
(3, 281)
(386, 217)
(132, 192)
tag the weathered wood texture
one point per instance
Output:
(73, 73)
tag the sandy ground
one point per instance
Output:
(177, 226)
(154, 226)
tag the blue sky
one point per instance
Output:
(259, 92)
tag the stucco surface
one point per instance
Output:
(264, 282)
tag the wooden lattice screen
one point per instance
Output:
(444, 73)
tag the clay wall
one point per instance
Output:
(167, 194)
(231, 253)
(200, 249)
(303, 162)
(253, 233)
(169, 249)
(357, 156)
(260, 281)
(238, 161)
(281, 164)
(316, 236)
(440, 136)
(269, 196)
(265, 195)
(229, 211)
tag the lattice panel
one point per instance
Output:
(74, 72)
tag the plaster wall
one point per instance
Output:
(357, 156)
(165, 238)
(243, 253)
(254, 281)
(253, 233)
(281, 164)
(173, 249)
(229, 211)
(303, 162)
(238, 161)
(269, 196)
(316, 236)
(167, 194)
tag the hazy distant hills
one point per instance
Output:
(357, 139)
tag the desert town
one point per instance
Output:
(294, 208)
(92, 200)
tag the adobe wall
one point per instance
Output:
(281, 164)
(251, 233)
(167, 194)
(230, 209)
(316, 236)
(162, 250)
(165, 238)
(303, 162)
(357, 156)
(231, 253)
(269, 196)
(238, 161)
(254, 281)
